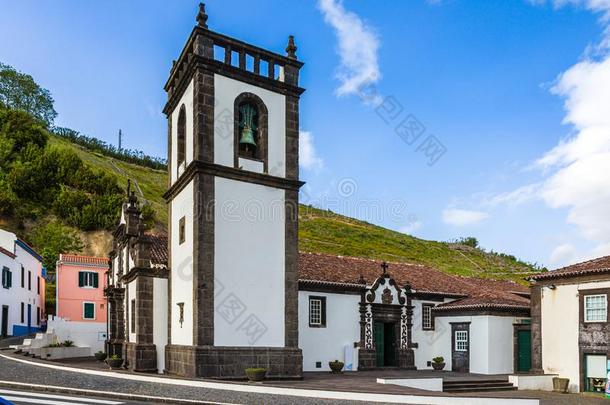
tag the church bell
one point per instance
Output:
(247, 137)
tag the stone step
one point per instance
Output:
(477, 385)
(482, 389)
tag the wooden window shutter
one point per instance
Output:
(324, 311)
(81, 279)
(95, 280)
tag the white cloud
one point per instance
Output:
(562, 255)
(457, 217)
(357, 48)
(411, 227)
(308, 158)
(576, 172)
(521, 195)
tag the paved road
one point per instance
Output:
(26, 373)
(17, 397)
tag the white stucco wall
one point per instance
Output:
(328, 343)
(249, 264)
(226, 91)
(91, 334)
(182, 267)
(160, 320)
(131, 295)
(187, 101)
(14, 296)
(426, 339)
(560, 320)
(491, 342)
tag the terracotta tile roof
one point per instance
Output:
(600, 265)
(158, 249)
(476, 291)
(83, 260)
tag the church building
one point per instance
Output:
(228, 288)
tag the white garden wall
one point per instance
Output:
(329, 343)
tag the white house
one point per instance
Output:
(570, 326)
(22, 293)
(235, 292)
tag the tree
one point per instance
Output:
(19, 91)
(51, 239)
(469, 241)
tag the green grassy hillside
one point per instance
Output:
(325, 232)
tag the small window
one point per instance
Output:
(596, 308)
(461, 341)
(7, 278)
(133, 316)
(88, 310)
(29, 280)
(181, 152)
(38, 285)
(37, 316)
(22, 312)
(22, 277)
(317, 312)
(88, 279)
(427, 323)
(182, 230)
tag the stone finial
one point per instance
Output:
(291, 49)
(202, 17)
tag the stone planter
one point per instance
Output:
(335, 366)
(256, 374)
(561, 384)
(114, 364)
(56, 353)
(438, 366)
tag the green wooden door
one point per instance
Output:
(379, 343)
(524, 344)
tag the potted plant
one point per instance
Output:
(68, 343)
(256, 374)
(100, 356)
(335, 366)
(114, 362)
(438, 363)
(561, 384)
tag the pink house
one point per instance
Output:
(80, 288)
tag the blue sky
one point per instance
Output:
(511, 89)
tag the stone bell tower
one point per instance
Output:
(233, 115)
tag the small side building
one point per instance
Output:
(22, 293)
(570, 326)
(80, 288)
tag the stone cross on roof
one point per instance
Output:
(384, 267)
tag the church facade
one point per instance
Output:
(228, 288)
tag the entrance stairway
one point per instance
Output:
(477, 385)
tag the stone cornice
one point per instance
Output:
(227, 172)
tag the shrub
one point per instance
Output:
(68, 343)
(438, 359)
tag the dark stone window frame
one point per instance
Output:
(262, 130)
(322, 311)
(581, 304)
(181, 138)
(181, 230)
(431, 306)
